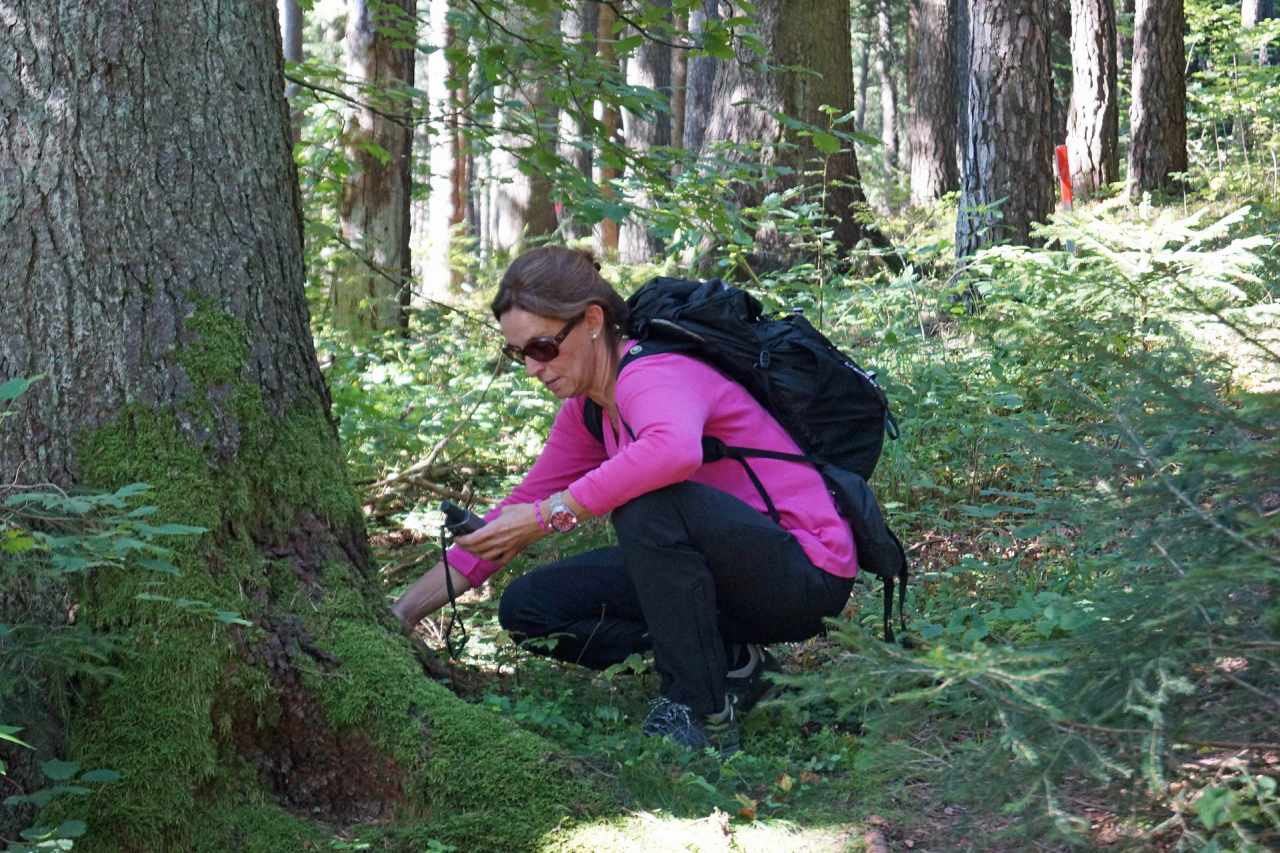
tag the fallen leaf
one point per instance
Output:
(810, 778)
(785, 783)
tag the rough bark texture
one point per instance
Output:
(1008, 155)
(1093, 144)
(931, 123)
(1158, 112)
(151, 233)
(648, 67)
(606, 231)
(701, 82)
(864, 77)
(368, 291)
(813, 34)
(887, 67)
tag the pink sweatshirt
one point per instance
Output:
(670, 401)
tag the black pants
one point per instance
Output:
(695, 569)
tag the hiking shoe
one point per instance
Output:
(675, 721)
(746, 683)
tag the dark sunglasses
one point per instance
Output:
(541, 348)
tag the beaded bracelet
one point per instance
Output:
(537, 514)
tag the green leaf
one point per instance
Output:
(825, 142)
(102, 774)
(72, 828)
(1213, 806)
(7, 733)
(59, 771)
(16, 386)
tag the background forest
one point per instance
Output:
(246, 351)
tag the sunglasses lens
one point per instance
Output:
(542, 349)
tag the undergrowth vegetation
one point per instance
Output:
(1089, 486)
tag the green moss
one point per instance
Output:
(253, 481)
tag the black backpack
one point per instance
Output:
(831, 407)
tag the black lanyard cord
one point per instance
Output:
(455, 619)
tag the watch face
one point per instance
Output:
(563, 519)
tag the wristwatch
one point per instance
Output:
(560, 517)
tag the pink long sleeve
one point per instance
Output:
(669, 402)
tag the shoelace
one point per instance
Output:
(663, 711)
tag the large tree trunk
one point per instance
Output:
(1158, 112)
(701, 82)
(1008, 175)
(649, 67)
(155, 279)
(931, 123)
(369, 291)
(813, 34)
(887, 67)
(960, 47)
(1093, 129)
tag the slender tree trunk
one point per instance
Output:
(887, 67)
(931, 124)
(607, 230)
(1124, 40)
(164, 307)
(578, 28)
(679, 84)
(1060, 68)
(1158, 111)
(815, 35)
(291, 39)
(1252, 13)
(460, 157)
(1093, 130)
(522, 204)
(649, 67)
(864, 74)
(701, 81)
(1008, 175)
(368, 292)
(960, 46)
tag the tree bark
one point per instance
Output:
(1158, 111)
(291, 39)
(864, 78)
(1060, 68)
(1252, 13)
(368, 292)
(931, 123)
(813, 34)
(1093, 143)
(1008, 176)
(649, 67)
(701, 82)
(606, 231)
(578, 28)
(679, 84)
(960, 47)
(155, 279)
(887, 67)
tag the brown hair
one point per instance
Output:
(555, 281)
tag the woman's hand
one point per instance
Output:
(502, 539)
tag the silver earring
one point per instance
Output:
(594, 335)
